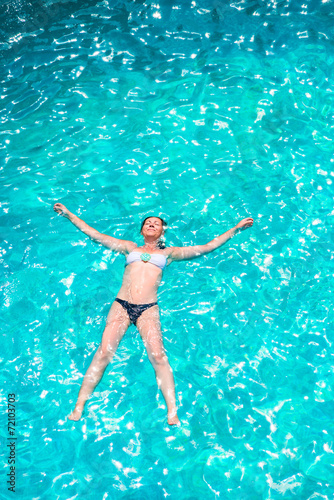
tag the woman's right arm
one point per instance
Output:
(122, 246)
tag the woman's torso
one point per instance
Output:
(141, 279)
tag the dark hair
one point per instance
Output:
(161, 243)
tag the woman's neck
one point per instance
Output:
(151, 246)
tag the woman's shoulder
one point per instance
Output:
(168, 250)
(132, 247)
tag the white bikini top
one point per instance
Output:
(157, 259)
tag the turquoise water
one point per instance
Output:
(203, 113)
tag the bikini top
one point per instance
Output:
(157, 259)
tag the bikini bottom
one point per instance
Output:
(134, 310)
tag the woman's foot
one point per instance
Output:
(172, 418)
(76, 414)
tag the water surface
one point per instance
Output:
(203, 113)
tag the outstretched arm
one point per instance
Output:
(116, 244)
(188, 253)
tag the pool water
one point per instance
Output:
(203, 113)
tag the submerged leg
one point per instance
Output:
(149, 328)
(117, 324)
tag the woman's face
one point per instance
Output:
(152, 227)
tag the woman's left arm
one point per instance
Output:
(188, 253)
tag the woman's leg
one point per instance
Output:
(149, 328)
(116, 326)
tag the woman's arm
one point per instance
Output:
(122, 246)
(188, 253)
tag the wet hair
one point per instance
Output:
(161, 243)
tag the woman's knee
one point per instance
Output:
(159, 358)
(105, 353)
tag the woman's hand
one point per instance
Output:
(61, 209)
(244, 224)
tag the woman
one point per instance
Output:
(136, 301)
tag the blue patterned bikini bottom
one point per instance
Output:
(134, 310)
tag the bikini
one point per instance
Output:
(157, 259)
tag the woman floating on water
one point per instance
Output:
(136, 301)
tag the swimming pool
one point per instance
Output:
(203, 113)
